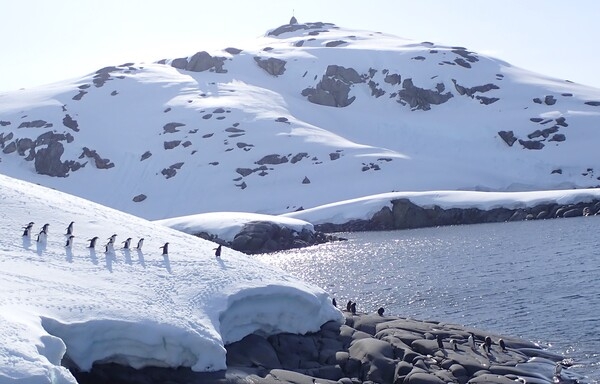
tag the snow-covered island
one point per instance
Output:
(314, 128)
(68, 307)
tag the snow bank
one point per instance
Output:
(131, 306)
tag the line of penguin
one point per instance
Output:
(486, 345)
(109, 247)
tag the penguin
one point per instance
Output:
(139, 244)
(353, 308)
(165, 249)
(488, 344)
(349, 305)
(111, 240)
(439, 342)
(42, 236)
(69, 243)
(502, 345)
(109, 247)
(453, 344)
(93, 242)
(334, 302)
(70, 229)
(126, 243)
(380, 311)
(471, 341)
(218, 251)
(27, 229)
(45, 228)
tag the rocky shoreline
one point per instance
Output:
(257, 237)
(367, 348)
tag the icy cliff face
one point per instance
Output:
(310, 114)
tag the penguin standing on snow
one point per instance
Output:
(27, 229)
(165, 249)
(45, 228)
(111, 240)
(126, 243)
(42, 236)
(218, 251)
(70, 229)
(139, 244)
(69, 243)
(93, 242)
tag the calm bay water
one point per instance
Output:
(539, 280)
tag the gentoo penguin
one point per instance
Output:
(139, 244)
(334, 302)
(126, 243)
(93, 242)
(453, 344)
(70, 228)
(380, 311)
(69, 243)
(471, 341)
(165, 249)
(349, 305)
(111, 240)
(27, 231)
(42, 236)
(488, 344)
(353, 308)
(502, 345)
(439, 341)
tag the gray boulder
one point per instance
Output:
(272, 66)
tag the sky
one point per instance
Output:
(43, 42)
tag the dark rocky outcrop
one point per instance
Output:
(139, 198)
(263, 237)
(145, 155)
(334, 87)
(98, 160)
(419, 98)
(200, 62)
(365, 348)
(47, 160)
(296, 27)
(35, 124)
(171, 144)
(273, 160)
(404, 214)
(171, 170)
(172, 127)
(69, 122)
(272, 66)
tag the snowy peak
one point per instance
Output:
(310, 114)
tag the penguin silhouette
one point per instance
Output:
(27, 229)
(439, 341)
(139, 244)
(218, 251)
(380, 311)
(126, 243)
(502, 345)
(349, 305)
(334, 302)
(165, 249)
(42, 236)
(111, 240)
(70, 228)
(69, 243)
(93, 242)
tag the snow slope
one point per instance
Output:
(310, 114)
(135, 307)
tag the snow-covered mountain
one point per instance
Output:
(137, 307)
(310, 114)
